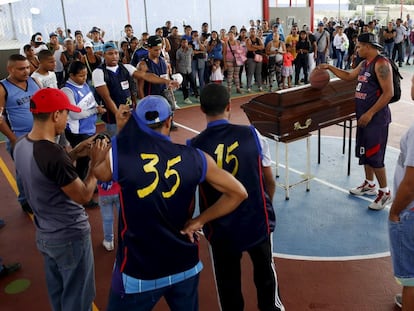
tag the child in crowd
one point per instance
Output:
(287, 68)
(45, 74)
(108, 199)
(216, 72)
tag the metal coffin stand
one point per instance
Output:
(292, 114)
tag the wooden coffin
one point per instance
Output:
(295, 112)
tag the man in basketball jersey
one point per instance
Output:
(155, 64)
(373, 92)
(157, 254)
(114, 82)
(15, 93)
(241, 151)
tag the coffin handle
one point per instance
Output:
(297, 126)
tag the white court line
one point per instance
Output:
(315, 258)
(338, 258)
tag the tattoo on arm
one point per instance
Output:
(383, 71)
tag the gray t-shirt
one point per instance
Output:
(45, 168)
(320, 38)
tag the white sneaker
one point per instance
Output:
(398, 300)
(249, 90)
(109, 246)
(187, 101)
(176, 106)
(365, 188)
(383, 198)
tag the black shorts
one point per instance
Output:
(371, 142)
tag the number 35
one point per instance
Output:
(150, 167)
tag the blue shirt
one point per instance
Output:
(18, 106)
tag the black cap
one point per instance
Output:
(95, 29)
(154, 41)
(368, 37)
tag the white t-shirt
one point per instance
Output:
(267, 160)
(48, 80)
(98, 75)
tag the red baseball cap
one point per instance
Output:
(49, 100)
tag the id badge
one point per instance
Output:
(125, 85)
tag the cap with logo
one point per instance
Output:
(88, 44)
(95, 29)
(37, 38)
(109, 46)
(153, 109)
(52, 34)
(154, 41)
(368, 37)
(50, 100)
(320, 24)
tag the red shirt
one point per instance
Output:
(287, 59)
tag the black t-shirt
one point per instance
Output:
(54, 162)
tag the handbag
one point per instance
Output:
(258, 58)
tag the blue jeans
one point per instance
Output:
(320, 58)
(388, 48)
(340, 55)
(197, 70)
(107, 204)
(402, 247)
(179, 297)
(70, 275)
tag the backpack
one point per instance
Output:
(396, 78)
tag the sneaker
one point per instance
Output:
(260, 89)
(398, 300)
(9, 269)
(365, 188)
(108, 245)
(188, 101)
(249, 90)
(176, 106)
(383, 198)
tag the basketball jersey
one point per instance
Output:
(85, 100)
(158, 69)
(158, 180)
(367, 93)
(119, 87)
(237, 150)
(18, 106)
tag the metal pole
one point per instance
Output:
(146, 17)
(127, 11)
(14, 37)
(211, 18)
(64, 16)
(339, 11)
(363, 10)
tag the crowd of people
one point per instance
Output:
(55, 92)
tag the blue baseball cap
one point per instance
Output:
(109, 46)
(153, 109)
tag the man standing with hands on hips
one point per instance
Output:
(373, 92)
